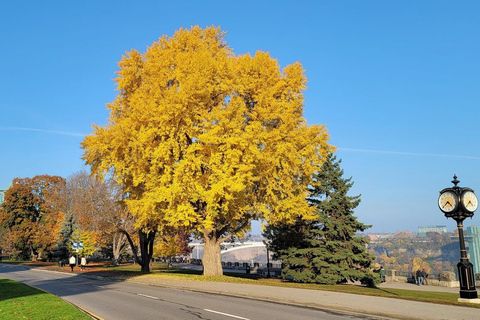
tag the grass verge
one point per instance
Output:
(19, 301)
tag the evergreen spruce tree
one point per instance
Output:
(326, 250)
(62, 249)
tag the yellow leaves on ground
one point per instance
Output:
(201, 137)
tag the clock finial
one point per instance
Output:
(455, 181)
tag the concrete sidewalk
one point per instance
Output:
(412, 286)
(384, 308)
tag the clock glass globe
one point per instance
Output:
(447, 201)
(469, 201)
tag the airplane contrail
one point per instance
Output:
(339, 148)
(43, 130)
(410, 153)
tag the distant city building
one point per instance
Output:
(473, 240)
(376, 237)
(2, 195)
(422, 231)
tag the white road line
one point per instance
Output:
(144, 295)
(226, 314)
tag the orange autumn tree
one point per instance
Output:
(30, 215)
(207, 140)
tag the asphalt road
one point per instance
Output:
(122, 300)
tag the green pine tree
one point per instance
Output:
(62, 251)
(326, 250)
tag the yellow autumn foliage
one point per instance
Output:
(166, 247)
(87, 239)
(202, 138)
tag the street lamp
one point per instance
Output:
(459, 203)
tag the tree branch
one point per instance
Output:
(225, 228)
(132, 246)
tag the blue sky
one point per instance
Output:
(395, 82)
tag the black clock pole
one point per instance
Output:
(466, 276)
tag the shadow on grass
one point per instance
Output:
(11, 289)
(386, 291)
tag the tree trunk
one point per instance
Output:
(146, 249)
(117, 245)
(33, 254)
(212, 257)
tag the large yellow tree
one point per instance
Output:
(208, 140)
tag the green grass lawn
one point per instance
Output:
(19, 301)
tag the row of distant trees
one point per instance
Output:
(42, 217)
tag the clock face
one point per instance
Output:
(469, 201)
(447, 201)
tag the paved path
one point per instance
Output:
(411, 286)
